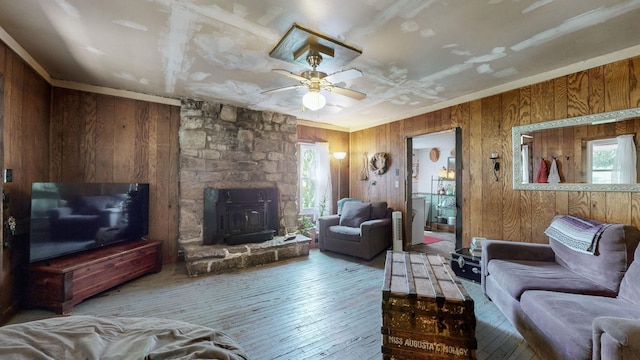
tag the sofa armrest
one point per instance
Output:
(616, 338)
(324, 222)
(371, 225)
(328, 220)
(374, 229)
(376, 235)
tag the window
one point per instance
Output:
(315, 179)
(602, 159)
(307, 179)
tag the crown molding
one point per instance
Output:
(321, 125)
(114, 92)
(24, 55)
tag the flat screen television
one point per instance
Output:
(72, 217)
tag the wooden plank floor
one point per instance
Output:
(324, 306)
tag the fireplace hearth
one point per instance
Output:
(239, 216)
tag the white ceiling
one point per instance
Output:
(417, 55)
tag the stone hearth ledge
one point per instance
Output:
(215, 259)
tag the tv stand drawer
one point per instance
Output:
(61, 283)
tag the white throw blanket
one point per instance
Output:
(576, 233)
(554, 176)
(87, 337)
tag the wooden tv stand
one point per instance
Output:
(61, 283)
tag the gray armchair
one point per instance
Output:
(361, 229)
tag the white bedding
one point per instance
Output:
(87, 337)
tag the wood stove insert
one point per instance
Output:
(238, 216)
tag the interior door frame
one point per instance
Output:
(409, 186)
(5, 294)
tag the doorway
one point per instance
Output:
(434, 192)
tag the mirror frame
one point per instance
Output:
(517, 131)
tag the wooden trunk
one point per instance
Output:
(426, 313)
(61, 283)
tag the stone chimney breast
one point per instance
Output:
(227, 147)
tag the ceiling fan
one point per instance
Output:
(317, 80)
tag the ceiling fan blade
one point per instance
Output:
(346, 92)
(282, 89)
(291, 75)
(344, 75)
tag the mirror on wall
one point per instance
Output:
(592, 152)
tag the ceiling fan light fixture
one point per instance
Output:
(313, 100)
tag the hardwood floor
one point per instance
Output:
(324, 306)
(443, 248)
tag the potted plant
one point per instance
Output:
(307, 227)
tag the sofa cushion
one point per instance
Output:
(630, 286)
(518, 276)
(574, 314)
(355, 213)
(613, 255)
(345, 233)
(378, 210)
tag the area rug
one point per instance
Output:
(430, 240)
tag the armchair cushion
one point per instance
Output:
(354, 214)
(343, 201)
(379, 210)
(346, 233)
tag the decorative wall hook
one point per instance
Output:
(496, 165)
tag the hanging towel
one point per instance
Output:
(554, 177)
(542, 173)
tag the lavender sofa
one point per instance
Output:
(566, 303)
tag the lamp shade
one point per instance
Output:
(339, 155)
(313, 100)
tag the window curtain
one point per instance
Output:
(525, 164)
(323, 201)
(624, 170)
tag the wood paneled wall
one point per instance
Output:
(24, 148)
(338, 141)
(492, 208)
(25, 132)
(64, 135)
(102, 138)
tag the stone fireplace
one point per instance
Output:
(228, 147)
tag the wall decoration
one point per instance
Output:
(378, 163)
(414, 170)
(434, 154)
(364, 173)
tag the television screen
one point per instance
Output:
(72, 217)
